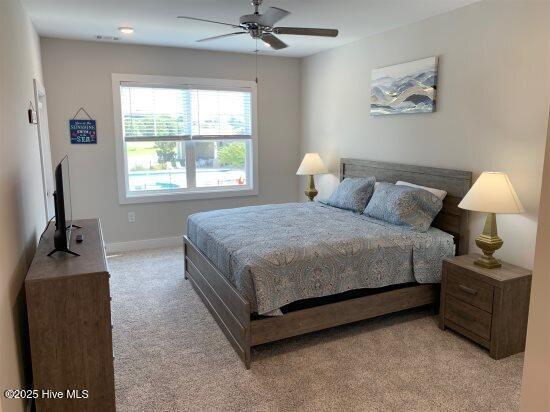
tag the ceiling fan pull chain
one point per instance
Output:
(256, 52)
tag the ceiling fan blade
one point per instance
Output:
(221, 36)
(306, 31)
(273, 41)
(210, 21)
(272, 16)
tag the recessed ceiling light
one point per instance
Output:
(126, 30)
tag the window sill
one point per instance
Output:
(190, 195)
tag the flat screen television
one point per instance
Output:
(63, 209)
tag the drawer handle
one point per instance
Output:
(468, 290)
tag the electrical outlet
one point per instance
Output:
(131, 217)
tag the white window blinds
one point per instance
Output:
(184, 113)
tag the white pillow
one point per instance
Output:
(438, 192)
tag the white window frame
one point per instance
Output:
(127, 197)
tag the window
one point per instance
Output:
(183, 138)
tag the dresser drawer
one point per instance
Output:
(469, 290)
(469, 317)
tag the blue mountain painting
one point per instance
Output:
(404, 88)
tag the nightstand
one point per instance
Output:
(489, 306)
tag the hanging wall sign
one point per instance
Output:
(83, 131)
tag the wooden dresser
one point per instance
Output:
(489, 306)
(69, 314)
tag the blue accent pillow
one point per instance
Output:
(404, 206)
(353, 193)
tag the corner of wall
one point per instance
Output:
(22, 210)
(536, 376)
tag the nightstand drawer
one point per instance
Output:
(474, 292)
(468, 316)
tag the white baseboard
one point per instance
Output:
(116, 247)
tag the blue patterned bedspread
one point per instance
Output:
(277, 254)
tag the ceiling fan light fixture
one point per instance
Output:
(126, 30)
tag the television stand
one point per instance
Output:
(70, 252)
(66, 250)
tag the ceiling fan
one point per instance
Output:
(261, 26)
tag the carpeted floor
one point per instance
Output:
(170, 355)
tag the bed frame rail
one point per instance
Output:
(230, 310)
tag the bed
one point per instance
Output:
(275, 271)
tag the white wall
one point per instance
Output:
(21, 196)
(535, 394)
(492, 106)
(78, 73)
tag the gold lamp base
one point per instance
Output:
(489, 242)
(311, 192)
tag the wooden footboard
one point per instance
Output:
(339, 313)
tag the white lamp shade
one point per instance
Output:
(312, 164)
(492, 193)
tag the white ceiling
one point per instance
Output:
(155, 21)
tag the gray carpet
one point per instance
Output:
(170, 355)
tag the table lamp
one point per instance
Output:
(312, 164)
(491, 193)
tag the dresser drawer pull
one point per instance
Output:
(468, 290)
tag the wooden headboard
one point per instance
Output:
(451, 219)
